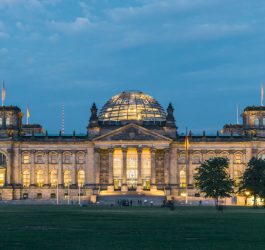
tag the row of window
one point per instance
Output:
(8, 121)
(53, 177)
(53, 158)
(196, 159)
(183, 177)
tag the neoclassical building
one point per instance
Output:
(132, 146)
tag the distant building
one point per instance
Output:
(132, 145)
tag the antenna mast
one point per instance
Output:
(62, 129)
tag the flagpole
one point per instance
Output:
(79, 201)
(237, 115)
(3, 93)
(187, 152)
(262, 94)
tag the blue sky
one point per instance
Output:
(205, 56)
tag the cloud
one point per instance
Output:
(80, 24)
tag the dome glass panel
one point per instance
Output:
(132, 105)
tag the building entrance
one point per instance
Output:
(132, 170)
(132, 179)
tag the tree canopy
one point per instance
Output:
(253, 179)
(212, 178)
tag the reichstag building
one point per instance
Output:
(132, 145)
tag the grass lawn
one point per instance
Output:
(63, 227)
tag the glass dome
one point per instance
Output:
(132, 106)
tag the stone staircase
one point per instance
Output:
(137, 199)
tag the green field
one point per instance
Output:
(70, 227)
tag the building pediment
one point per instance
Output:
(132, 132)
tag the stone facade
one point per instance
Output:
(128, 157)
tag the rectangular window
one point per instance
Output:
(25, 159)
(39, 195)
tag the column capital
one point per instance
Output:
(153, 150)
(139, 150)
(124, 149)
(111, 150)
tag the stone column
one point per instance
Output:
(166, 166)
(153, 167)
(139, 166)
(97, 164)
(124, 169)
(231, 163)
(173, 172)
(139, 170)
(60, 169)
(9, 175)
(47, 169)
(73, 170)
(111, 150)
(32, 168)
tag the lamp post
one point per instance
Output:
(247, 193)
(79, 198)
(68, 193)
(57, 194)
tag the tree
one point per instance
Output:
(253, 179)
(212, 178)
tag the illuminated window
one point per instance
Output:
(2, 176)
(40, 178)
(263, 121)
(182, 178)
(81, 178)
(26, 158)
(237, 177)
(117, 164)
(26, 178)
(8, 121)
(1, 121)
(146, 164)
(54, 178)
(238, 158)
(67, 178)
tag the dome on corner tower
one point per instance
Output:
(132, 106)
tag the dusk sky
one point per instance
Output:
(204, 56)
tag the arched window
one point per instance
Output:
(182, 178)
(53, 178)
(40, 178)
(25, 158)
(238, 158)
(81, 178)
(26, 178)
(67, 158)
(196, 159)
(53, 158)
(80, 158)
(67, 178)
